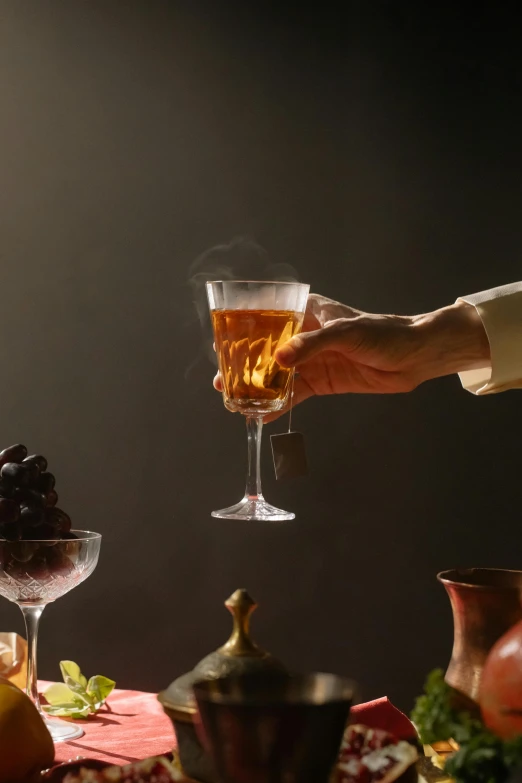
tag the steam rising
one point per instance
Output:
(241, 259)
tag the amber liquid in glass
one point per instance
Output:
(246, 341)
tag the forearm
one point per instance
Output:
(451, 340)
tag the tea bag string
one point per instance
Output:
(291, 400)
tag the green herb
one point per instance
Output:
(513, 754)
(435, 716)
(482, 757)
(480, 760)
(76, 697)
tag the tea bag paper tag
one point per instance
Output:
(289, 454)
(288, 450)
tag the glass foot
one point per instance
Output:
(61, 731)
(256, 510)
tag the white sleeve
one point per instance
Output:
(500, 310)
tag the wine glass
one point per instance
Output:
(36, 573)
(251, 320)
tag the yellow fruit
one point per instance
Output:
(5, 681)
(26, 746)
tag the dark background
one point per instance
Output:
(377, 150)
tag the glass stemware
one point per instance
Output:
(251, 319)
(36, 573)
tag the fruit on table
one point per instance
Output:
(9, 511)
(40, 461)
(369, 755)
(51, 498)
(16, 453)
(28, 498)
(60, 771)
(28, 512)
(500, 695)
(153, 770)
(5, 681)
(26, 745)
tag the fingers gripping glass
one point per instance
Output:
(250, 321)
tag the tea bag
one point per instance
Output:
(13, 658)
(288, 449)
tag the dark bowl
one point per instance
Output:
(278, 730)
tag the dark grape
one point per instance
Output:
(46, 532)
(28, 511)
(14, 453)
(13, 567)
(22, 475)
(9, 511)
(32, 471)
(30, 517)
(23, 550)
(6, 488)
(38, 460)
(29, 497)
(37, 566)
(11, 531)
(31, 533)
(10, 472)
(58, 518)
(58, 562)
(52, 498)
(46, 482)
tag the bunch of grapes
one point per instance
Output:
(28, 510)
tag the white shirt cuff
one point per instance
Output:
(500, 310)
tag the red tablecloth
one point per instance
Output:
(133, 727)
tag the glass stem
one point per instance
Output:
(254, 432)
(32, 616)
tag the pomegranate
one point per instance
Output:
(57, 773)
(500, 695)
(369, 755)
(153, 770)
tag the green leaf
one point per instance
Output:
(64, 703)
(482, 757)
(78, 690)
(72, 670)
(480, 760)
(75, 697)
(100, 687)
(435, 715)
(513, 753)
(58, 693)
(68, 710)
(432, 714)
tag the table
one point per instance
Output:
(131, 727)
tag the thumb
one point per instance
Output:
(304, 346)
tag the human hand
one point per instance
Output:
(343, 350)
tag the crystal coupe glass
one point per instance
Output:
(251, 320)
(36, 573)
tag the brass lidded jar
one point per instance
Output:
(238, 656)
